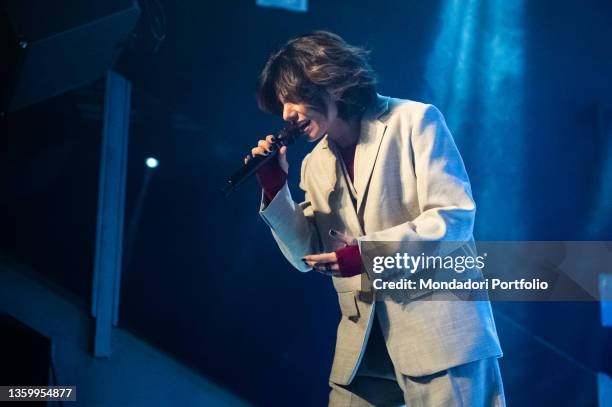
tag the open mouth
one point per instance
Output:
(304, 125)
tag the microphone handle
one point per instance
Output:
(250, 168)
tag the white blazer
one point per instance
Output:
(410, 184)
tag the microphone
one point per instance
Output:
(286, 136)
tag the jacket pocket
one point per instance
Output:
(348, 304)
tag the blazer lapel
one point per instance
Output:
(328, 171)
(366, 152)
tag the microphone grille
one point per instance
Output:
(292, 131)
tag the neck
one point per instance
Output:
(345, 133)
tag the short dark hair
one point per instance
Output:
(309, 66)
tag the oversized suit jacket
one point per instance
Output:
(410, 184)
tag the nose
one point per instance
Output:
(289, 114)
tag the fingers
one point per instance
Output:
(323, 266)
(326, 267)
(263, 146)
(326, 263)
(328, 271)
(320, 258)
(282, 159)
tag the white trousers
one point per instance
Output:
(378, 383)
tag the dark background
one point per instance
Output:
(524, 88)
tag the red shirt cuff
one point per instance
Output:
(272, 178)
(349, 261)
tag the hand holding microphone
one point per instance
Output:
(265, 147)
(265, 151)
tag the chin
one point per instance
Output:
(312, 139)
(316, 133)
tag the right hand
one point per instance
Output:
(264, 147)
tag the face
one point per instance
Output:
(319, 123)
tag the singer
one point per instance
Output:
(382, 169)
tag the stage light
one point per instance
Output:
(292, 5)
(605, 294)
(152, 162)
(478, 59)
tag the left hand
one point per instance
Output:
(326, 263)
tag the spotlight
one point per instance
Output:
(293, 5)
(152, 162)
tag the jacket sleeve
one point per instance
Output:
(292, 224)
(444, 194)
